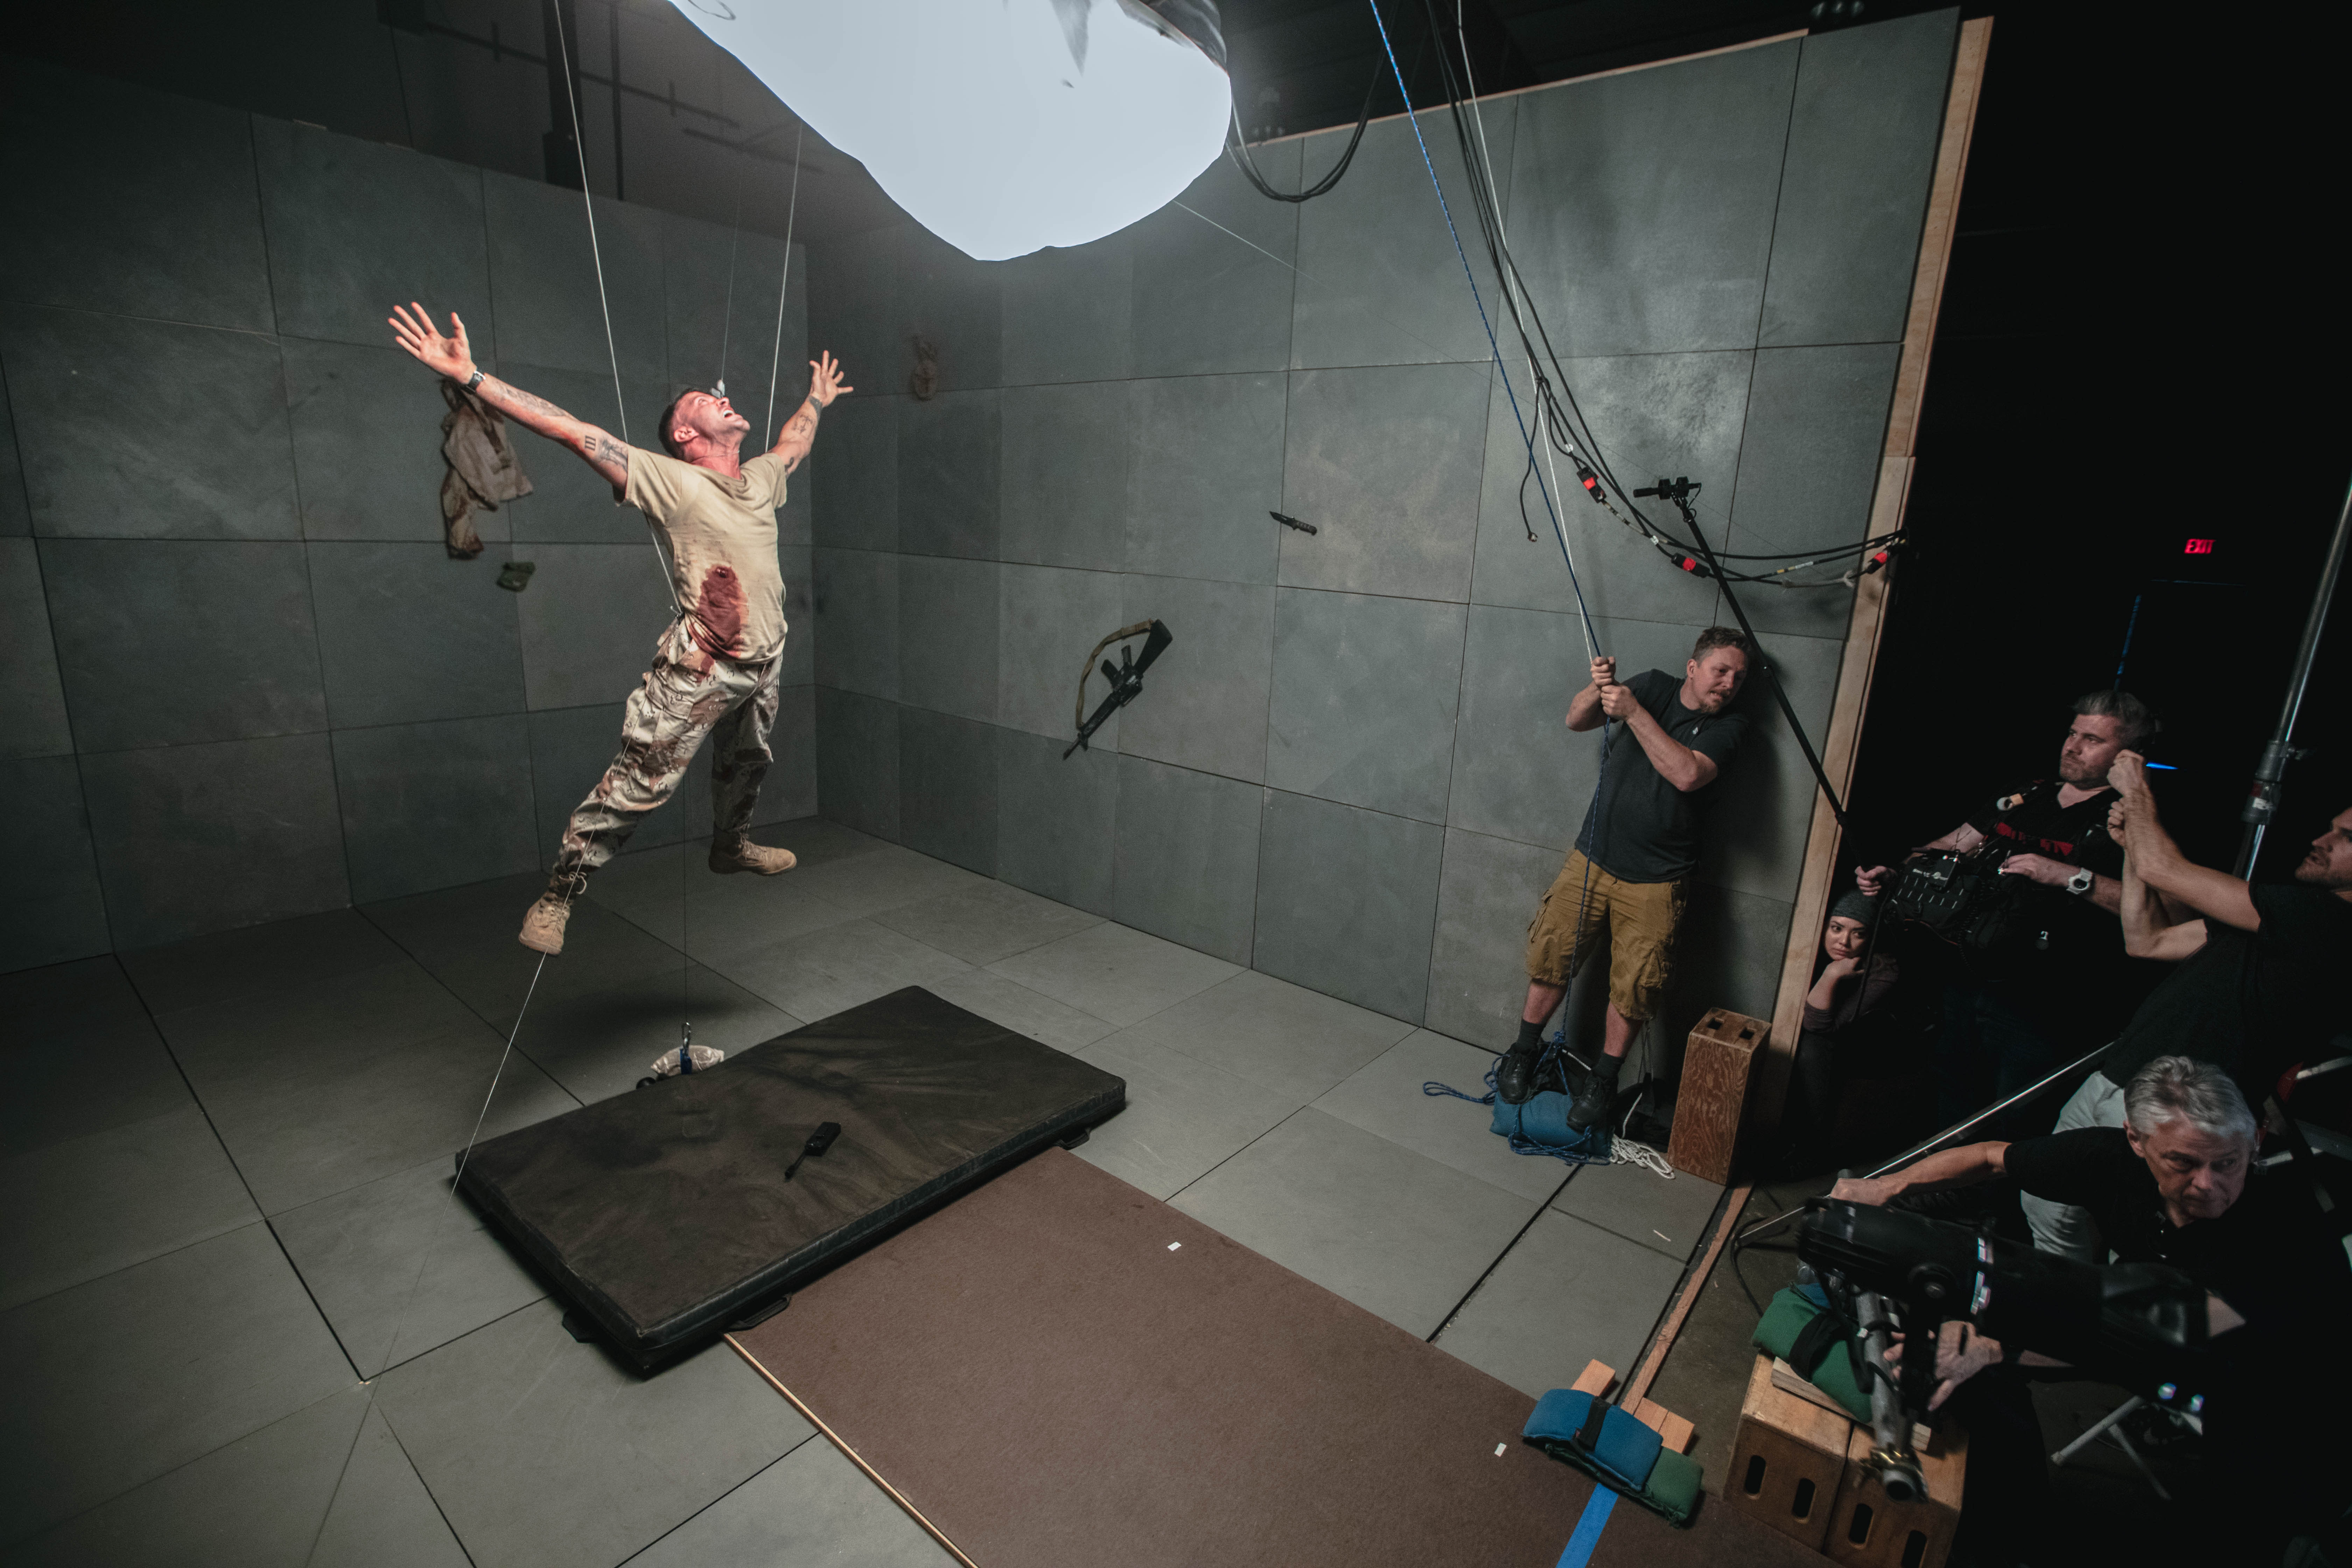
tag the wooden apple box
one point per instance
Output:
(1868, 1529)
(1717, 1068)
(1788, 1459)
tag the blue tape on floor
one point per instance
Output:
(1579, 1549)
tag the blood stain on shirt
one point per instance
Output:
(719, 608)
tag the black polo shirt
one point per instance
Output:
(1642, 828)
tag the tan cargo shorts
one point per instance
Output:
(1638, 918)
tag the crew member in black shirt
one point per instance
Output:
(1626, 874)
(2056, 973)
(2247, 994)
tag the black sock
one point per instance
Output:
(1607, 1066)
(1530, 1037)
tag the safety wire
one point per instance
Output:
(1622, 1151)
(775, 354)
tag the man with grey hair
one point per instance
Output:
(2056, 970)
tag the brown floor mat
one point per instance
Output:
(1058, 1370)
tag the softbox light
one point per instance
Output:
(1003, 126)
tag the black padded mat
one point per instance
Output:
(664, 1212)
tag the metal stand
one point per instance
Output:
(2108, 1426)
(2262, 799)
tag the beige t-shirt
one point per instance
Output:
(722, 546)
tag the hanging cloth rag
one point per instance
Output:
(483, 468)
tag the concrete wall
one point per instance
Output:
(1350, 771)
(244, 679)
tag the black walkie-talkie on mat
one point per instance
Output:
(818, 1142)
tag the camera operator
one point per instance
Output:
(2056, 970)
(2175, 1185)
(2248, 992)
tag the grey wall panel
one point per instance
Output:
(1346, 900)
(1869, 110)
(1063, 475)
(200, 838)
(854, 314)
(1205, 703)
(789, 791)
(1046, 619)
(1069, 314)
(589, 620)
(56, 911)
(1654, 415)
(33, 699)
(1056, 820)
(1807, 469)
(856, 621)
(569, 501)
(951, 302)
(946, 788)
(115, 199)
(1206, 301)
(947, 636)
(853, 469)
(857, 761)
(1383, 283)
(948, 448)
(796, 562)
(356, 228)
(1727, 954)
(171, 642)
(1764, 806)
(1661, 242)
(544, 280)
(1187, 856)
(1206, 468)
(1518, 773)
(406, 634)
(570, 750)
(15, 516)
(212, 459)
(1385, 463)
(719, 292)
(1477, 958)
(366, 426)
(1364, 697)
(433, 805)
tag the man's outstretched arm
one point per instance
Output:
(453, 357)
(2159, 863)
(799, 434)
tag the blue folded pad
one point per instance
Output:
(1540, 1126)
(1624, 1447)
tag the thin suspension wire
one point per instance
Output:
(727, 323)
(776, 354)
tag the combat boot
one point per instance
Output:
(730, 854)
(544, 923)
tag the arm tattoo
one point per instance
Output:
(602, 448)
(523, 401)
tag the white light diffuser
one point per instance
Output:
(1003, 126)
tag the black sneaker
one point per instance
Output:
(1515, 1075)
(1593, 1102)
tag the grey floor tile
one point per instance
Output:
(1392, 1231)
(1182, 1117)
(810, 1507)
(988, 923)
(1386, 1098)
(1021, 1010)
(288, 1030)
(1565, 1295)
(726, 915)
(382, 1516)
(80, 1056)
(254, 1503)
(817, 842)
(1666, 1216)
(820, 973)
(884, 877)
(541, 1450)
(400, 1267)
(59, 1000)
(1115, 972)
(116, 1382)
(257, 960)
(105, 1201)
(1296, 1042)
(601, 1043)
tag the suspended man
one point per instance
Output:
(715, 668)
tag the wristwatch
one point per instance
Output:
(2081, 882)
(474, 380)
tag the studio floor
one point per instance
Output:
(243, 1323)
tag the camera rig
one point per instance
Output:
(2142, 1325)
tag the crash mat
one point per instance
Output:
(1059, 1370)
(664, 1214)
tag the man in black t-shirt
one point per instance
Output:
(2247, 994)
(1625, 876)
(2056, 973)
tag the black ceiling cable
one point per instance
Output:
(1239, 153)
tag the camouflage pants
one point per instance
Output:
(686, 696)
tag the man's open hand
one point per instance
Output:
(452, 356)
(824, 379)
(1960, 1353)
(2040, 869)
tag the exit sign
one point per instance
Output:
(2199, 547)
